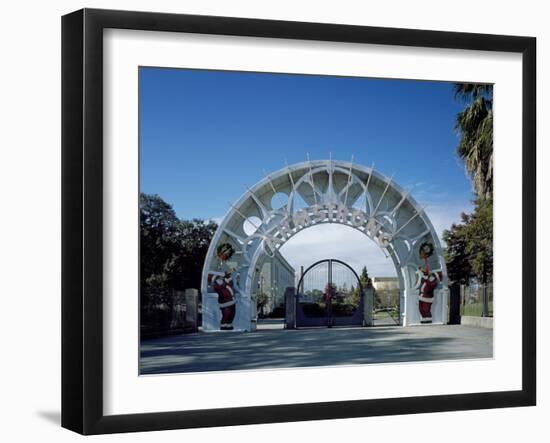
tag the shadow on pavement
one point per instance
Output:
(203, 352)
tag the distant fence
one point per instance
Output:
(165, 311)
(476, 300)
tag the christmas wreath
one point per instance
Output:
(225, 251)
(426, 250)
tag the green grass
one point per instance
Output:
(475, 309)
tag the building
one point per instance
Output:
(275, 276)
(387, 290)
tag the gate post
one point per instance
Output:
(367, 306)
(454, 304)
(191, 309)
(290, 308)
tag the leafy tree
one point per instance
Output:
(315, 295)
(469, 252)
(194, 237)
(475, 127)
(459, 269)
(172, 251)
(480, 244)
(158, 239)
(331, 292)
(364, 278)
(366, 283)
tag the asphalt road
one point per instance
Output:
(281, 348)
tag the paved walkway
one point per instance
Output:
(281, 348)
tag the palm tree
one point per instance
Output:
(475, 126)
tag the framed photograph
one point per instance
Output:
(269, 221)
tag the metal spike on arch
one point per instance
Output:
(334, 191)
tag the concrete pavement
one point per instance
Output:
(281, 348)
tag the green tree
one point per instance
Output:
(364, 278)
(172, 251)
(459, 269)
(194, 237)
(469, 251)
(475, 127)
(314, 295)
(366, 283)
(469, 244)
(158, 239)
(480, 244)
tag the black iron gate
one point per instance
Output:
(329, 294)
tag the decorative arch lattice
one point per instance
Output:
(310, 193)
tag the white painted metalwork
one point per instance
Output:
(333, 192)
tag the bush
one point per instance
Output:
(278, 312)
(343, 310)
(313, 310)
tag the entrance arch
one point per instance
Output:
(310, 193)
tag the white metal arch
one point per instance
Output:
(316, 192)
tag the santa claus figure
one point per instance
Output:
(226, 300)
(427, 282)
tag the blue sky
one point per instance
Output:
(206, 135)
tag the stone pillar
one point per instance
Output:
(290, 308)
(368, 303)
(192, 309)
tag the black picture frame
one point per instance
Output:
(82, 215)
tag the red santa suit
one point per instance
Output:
(427, 283)
(226, 300)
